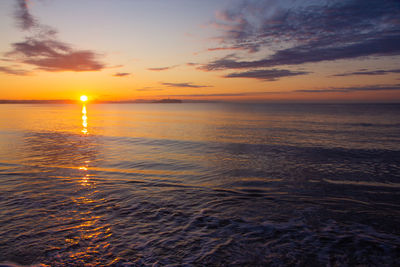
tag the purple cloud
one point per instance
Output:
(24, 18)
(53, 55)
(308, 33)
(365, 72)
(393, 87)
(314, 53)
(13, 71)
(223, 94)
(184, 85)
(265, 75)
(45, 51)
(121, 74)
(162, 68)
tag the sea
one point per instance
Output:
(200, 184)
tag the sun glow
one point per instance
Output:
(84, 98)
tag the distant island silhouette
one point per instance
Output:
(167, 101)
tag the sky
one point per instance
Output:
(287, 50)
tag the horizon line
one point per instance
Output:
(188, 101)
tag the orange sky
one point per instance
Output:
(126, 50)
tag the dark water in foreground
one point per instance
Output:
(200, 184)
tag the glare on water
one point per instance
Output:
(84, 120)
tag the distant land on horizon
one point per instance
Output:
(168, 101)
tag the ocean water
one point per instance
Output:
(200, 184)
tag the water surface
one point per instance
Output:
(200, 184)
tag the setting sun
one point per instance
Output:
(84, 98)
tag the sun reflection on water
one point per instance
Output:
(84, 120)
(89, 243)
(86, 178)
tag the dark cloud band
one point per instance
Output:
(364, 72)
(265, 75)
(121, 74)
(13, 71)
(184, 85)
(394, 87)
(162, 68)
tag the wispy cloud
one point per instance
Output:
(148, 88)
(162, 68)
(14, 71)
(24, 19)
(184, 85)
(394, 87)
(325, 31)
(45, 51)
(265, 75)
(121, 74)
(312, 53)
(364, 72)
(223, 94)
(225, 48)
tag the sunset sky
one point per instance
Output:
(347, 50)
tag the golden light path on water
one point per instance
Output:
(84, 120)
(91, 236)
(84, 130)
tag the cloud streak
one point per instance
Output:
(121, 74)
(223, 94)
(162, 68)
(225, 48)
(372, 72)
(265, 75)
(148, 89)
(13, 71)
(184, 85)
(24, 18)
(394, 87)
(311, 53)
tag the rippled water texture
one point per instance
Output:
(200, 184)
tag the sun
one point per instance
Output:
(84, 98)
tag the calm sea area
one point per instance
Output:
(200, 184)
